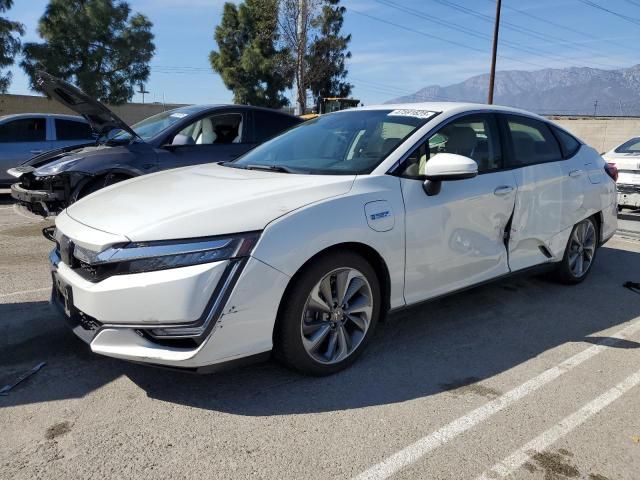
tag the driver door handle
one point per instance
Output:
(503, 190)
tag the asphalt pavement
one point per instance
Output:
(522, 379)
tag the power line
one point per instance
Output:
(633, 3)
(445, 40)
(484, 36)
(633, 20)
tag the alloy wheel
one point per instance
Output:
(582, 248)
(337, 315)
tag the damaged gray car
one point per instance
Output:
(190, 135)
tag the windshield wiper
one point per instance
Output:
(273, 168)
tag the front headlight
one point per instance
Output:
(56, 167)
(142, 257)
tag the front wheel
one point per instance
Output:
(580, 253)
(328, 315)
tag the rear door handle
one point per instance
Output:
(503, 190)
(575, 173)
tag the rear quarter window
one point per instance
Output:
(568, 143)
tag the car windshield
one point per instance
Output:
(632, 146)
(343, 143)
(152, 126)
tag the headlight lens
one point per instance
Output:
(56, 167)
(150, 256)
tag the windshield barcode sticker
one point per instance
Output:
(412, 113)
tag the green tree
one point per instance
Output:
(97, 44)
(328, 53)
(248, 59)
(10, 44)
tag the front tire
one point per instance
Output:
(328, 315)
(580, 253)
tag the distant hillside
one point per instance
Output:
(570, 91)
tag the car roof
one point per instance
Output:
(61, 116)
(450, 108)
(220, 106)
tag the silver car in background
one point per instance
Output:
(626, 159)
(26, 135)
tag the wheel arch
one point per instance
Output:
(367, 252)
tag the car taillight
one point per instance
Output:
(612, 171)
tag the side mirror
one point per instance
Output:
(447, 167)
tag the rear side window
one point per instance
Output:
(631, 146)
(532, 142)
(24, 130)
(268, 125)
(71, 130)
(568, 143)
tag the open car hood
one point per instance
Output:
(101, 119)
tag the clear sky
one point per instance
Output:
(398, 46)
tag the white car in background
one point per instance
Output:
(625, 159)
(304, 243)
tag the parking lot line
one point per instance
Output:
(521, 456)
(423, 446)
(4, 295)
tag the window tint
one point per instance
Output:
(568, 143)
(72, 130)
(532, 142)
(213, 130)
(268, 125)
(24, 130)
(474, 136)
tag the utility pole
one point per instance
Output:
(494, 53)
(303, 12)
(595, 108)
(142, 91)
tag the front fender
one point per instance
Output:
(290, 241)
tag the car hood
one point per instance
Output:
(101, 119)
(202, 201)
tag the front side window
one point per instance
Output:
(473, 136)
(343, 143)
(631, 146)
(532, 142)
(72, 130)
(24, 130)
(214, 130)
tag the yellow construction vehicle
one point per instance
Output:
(330, 104)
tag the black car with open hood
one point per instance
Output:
(185, 136)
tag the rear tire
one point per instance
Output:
(329, 314)
(579, 254)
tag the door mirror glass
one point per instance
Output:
(450, 166)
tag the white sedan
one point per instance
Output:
(303, 244)
(625, 159)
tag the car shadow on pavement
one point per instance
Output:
(439, 346)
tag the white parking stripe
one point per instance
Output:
(562, 428)
(25, 292)
(423, 446)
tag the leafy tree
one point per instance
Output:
(10, 44)
(248, 59)
(328, 53)
(96, 44)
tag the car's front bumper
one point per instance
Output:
(628, 195)
(115, 316)
(39, 202)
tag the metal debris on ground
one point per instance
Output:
(4, 391)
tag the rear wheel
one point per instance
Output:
(329, 314)
(580, 252)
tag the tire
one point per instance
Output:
(580, 253)
(318, 338)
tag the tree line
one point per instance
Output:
(264, 49)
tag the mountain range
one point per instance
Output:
(560, 91)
